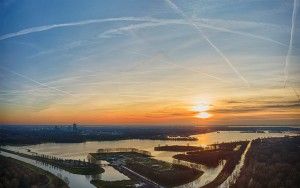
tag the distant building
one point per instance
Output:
(75, 129)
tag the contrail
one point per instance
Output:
(131, 27)
(168, 60)
(80, 23)
(38, 87)
(141, 19)
(286, 74)
(174, 7)
(34, 81)
(241, 33)
(162, 22)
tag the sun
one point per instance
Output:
(203, 115)
(201, 110)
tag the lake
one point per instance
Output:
(81, 150)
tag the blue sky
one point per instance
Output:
(101, 62)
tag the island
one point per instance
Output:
(230, 153)
(178, 148)
(140, 165)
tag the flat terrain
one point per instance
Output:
(212, 157)
(113, 184)
(28, 135)
(177, 148)
(73, 166)
(160, 172)
(14, 173)
(231, 152)
(271, 162)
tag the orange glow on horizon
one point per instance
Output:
(157, 112)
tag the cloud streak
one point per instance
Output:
(193, 24)
(163, 22)
(80, 23)
(240, 33)
(168, 60)
(284, 106)
(36, 82)
(120, 30)
(155, 22)
(287, 59)
(162, 57)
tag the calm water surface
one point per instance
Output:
(81, 150)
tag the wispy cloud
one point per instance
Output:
(80, 23)
(245, 107)
(154, 22)
(150, 22)
(36, 82)
(209, 26)
(193, 24)
(168, 60)
(162, 57)
(107, 33)
(287, 59)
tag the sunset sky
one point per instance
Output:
(141, 62)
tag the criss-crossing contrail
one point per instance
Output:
(240, 33)
(131, 27)
(175, 8)
(166, 59)
(169, 61)
(80, 23)
(36, 82)
(155, 21)
(287, 58)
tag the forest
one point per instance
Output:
(16, 174)
(271, 162)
